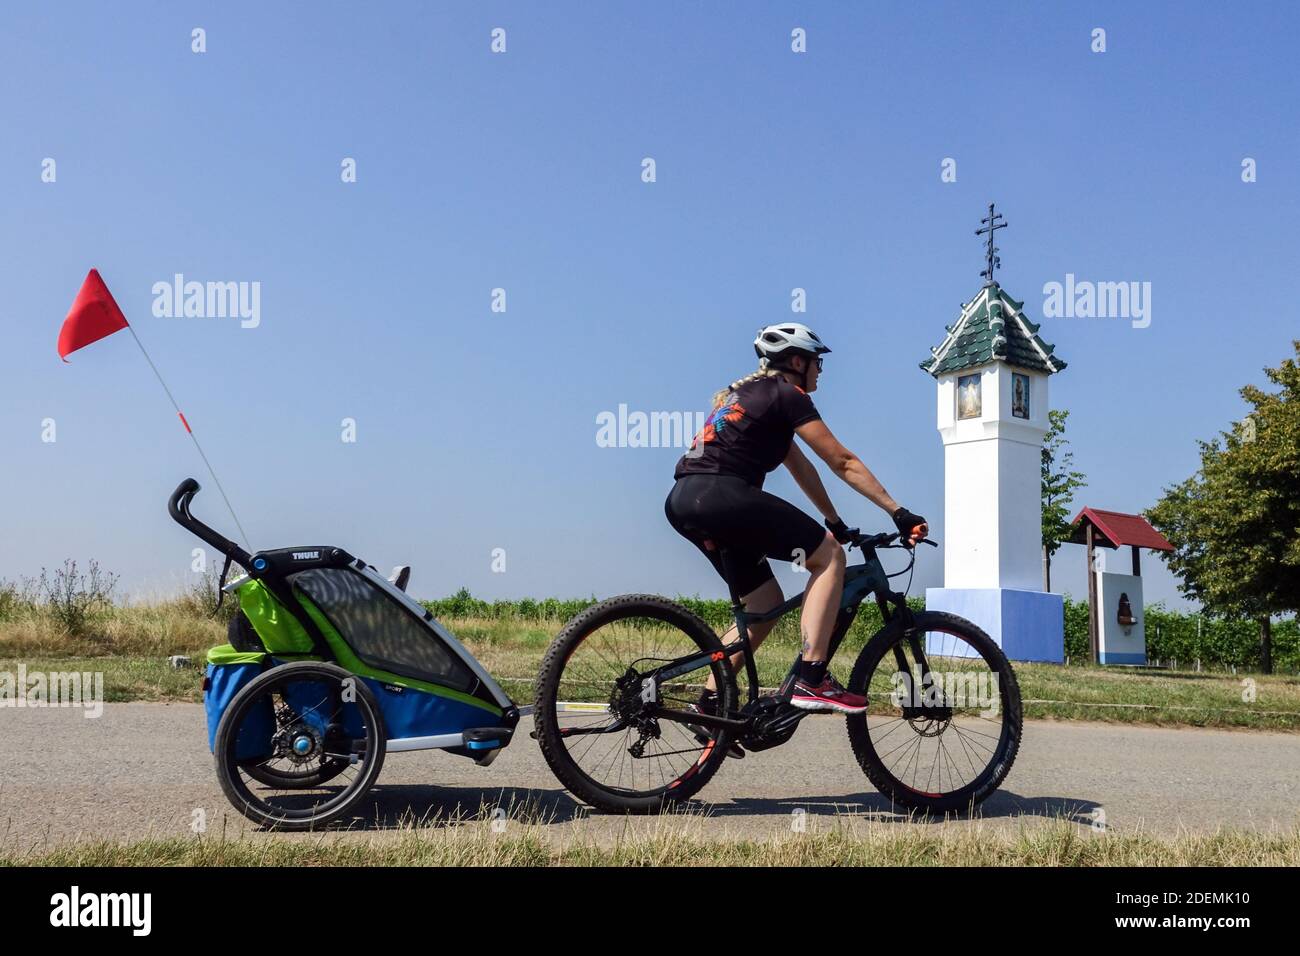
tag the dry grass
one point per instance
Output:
(681, 842)
(143, 630)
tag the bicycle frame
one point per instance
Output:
(860, 581)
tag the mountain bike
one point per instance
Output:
(613, 720)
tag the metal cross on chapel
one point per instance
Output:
(991, 223)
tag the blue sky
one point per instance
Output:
(476, 429)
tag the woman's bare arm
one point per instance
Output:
(846, 465)
(806, 477)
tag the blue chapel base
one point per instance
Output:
(1027, 625)
(1127, 660)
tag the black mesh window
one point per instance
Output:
(379, 630)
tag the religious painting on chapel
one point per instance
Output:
(1019, 395)
(969, 404)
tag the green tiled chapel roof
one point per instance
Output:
(991, 328)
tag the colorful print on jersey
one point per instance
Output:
(729, 411)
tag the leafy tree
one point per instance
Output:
(1059, 486)
(1235, 524)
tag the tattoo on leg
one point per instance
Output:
(807, 641)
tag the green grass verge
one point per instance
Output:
(681, 844)
(125, 678)
(135, 668)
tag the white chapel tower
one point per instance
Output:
(992, 372)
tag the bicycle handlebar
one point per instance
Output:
(178, 506)
(885, 540)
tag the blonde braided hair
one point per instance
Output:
(764, 371)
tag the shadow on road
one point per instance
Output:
(404, 805)
(878, 808)
(392, 807)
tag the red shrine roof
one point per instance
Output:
(1113, 529)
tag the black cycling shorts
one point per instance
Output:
(722, 511)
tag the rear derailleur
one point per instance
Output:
(635, 694)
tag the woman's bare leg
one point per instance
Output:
(821, 603)
(763, 598)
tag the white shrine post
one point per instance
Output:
(992, 374)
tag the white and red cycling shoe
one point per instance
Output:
(829, 696)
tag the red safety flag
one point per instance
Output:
(93, 316)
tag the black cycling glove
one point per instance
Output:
(905, 521)
(843, 533)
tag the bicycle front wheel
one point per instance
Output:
(597, 733)
(944, 720)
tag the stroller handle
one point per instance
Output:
(178, 506)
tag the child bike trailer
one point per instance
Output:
(331, 666)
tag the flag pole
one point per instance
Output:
(189, 431)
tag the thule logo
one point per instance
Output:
(306, 555)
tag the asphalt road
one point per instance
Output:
(143, 769)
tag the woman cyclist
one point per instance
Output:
(718, 503)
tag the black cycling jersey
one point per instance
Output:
(749, 435)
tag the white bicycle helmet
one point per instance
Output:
(777, 341)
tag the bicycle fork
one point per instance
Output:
(894, 606)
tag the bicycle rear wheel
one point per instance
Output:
(939, 744)
(595, 731)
